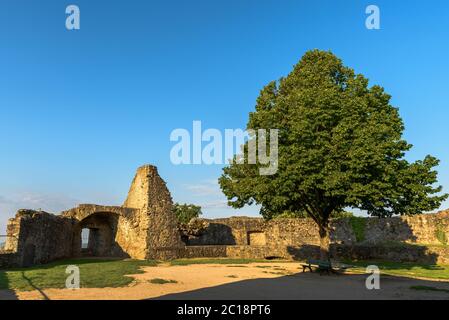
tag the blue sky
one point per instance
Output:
(81, 110)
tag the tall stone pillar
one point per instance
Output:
(150, 195)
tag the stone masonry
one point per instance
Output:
(144, 227)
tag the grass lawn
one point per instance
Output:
(162, 281)
(94, 273)
(406, 269)
(100, 273)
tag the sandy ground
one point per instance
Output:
(248, 281)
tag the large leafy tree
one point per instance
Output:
(340, 145)
(186, 212)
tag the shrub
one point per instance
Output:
(162, 281)
(195, 228)
(186, 212)
(358, 225)
(302, 214)
(289, 215)
(440, 234)
(342, 215)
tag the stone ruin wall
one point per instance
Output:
(118, 225)
(406, 238)
(419, 229)
(143, 228)
(36, 237)
(146, 228)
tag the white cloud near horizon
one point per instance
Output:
(204, 188)
(208, 195)
(219, 204)
(50, 202)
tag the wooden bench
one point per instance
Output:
(320, 265)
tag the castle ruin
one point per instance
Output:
(144, 227)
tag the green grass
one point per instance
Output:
(263, 267)
(441, 235)
(162, 281)
(427, 288)
(94, 273)
(412, 270)
(185, 262)
(395, 244)
(358, 225)
(236, 266)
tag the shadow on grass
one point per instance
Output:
(391, 266)
(6, 294)
(404, 269)
(94, 273)
(30, 283)
(398, 259)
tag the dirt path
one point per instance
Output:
(190, 277)
(247, 281)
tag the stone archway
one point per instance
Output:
(102, 234)
(144, 227)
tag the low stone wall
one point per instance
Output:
(420, 238)
(138, 229)
(426, 229)
(213, 251)
(7, 260)
(204, 251)
(43, 237)
(398, 253)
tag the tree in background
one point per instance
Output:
(189, 224)
(186, 212)
(340, 145)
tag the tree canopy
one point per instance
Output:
(186, 212)
(340, 146)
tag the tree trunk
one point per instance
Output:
(324, 243)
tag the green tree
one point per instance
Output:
(340, 145)
(186, 212)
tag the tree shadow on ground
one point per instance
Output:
(407, 254)
(4, 283)
(28, 280)
(304, 286)
(34, 278)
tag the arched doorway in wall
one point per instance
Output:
(96, 235)
(85, 233)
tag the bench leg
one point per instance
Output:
(306, 267)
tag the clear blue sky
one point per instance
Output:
(81, 110)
